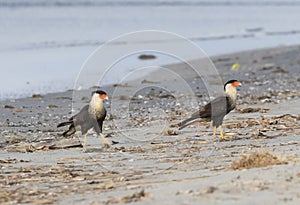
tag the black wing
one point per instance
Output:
(78, 118)
(82, 116)
(75, 120)
(100, 120)
(218, 107)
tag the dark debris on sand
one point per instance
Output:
(39, 166)
(258, 160)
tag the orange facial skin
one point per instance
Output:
(236, 83)
(102, 96)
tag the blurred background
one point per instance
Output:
(44, 43)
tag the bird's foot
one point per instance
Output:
(84, 141)
(224, 137)
(104, 141)
(107, 145)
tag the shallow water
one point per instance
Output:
(43, 44)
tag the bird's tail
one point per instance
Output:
(188, 122)
(70, 131)
(64, 123)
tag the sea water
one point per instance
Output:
(44, 44)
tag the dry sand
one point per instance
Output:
(153, 162)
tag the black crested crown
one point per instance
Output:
(100, 92)
(228, 82)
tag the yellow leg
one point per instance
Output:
(222, 136)
(84, 140)
(104, 141)
(215, 131)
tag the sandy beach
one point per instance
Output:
(151, 161)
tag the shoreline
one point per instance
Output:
(215, 59)
(153, 159)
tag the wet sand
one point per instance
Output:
(151, 161)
